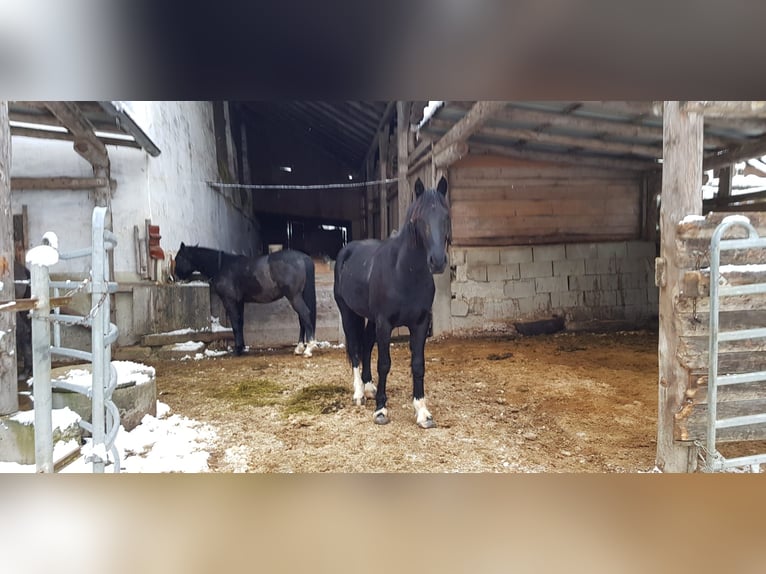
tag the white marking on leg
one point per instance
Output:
(358, 388)
(422, 416)
(370, 390)
(299, 349)
(383, 411)
(310, 348)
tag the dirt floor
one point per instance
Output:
(558, 403)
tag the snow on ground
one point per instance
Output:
(165, 443)
(215, 327)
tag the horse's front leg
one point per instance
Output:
(418, 335)
(383, 336)
(368, 342)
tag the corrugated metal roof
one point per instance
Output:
(346, 129)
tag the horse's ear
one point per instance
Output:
(182, 245)
(442, 186)
(419, 189)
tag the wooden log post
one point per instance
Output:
(369, 197)
(383, 165)
(9, 400)
(681, 196)
(724, 185)
(404, 193)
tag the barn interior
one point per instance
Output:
(320, 145)
(533, 186)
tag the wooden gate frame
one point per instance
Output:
(681, 197)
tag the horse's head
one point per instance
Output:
(182, 266)
(429, 215)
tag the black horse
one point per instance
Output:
(238, 280)
(23, 323)
(389, 284)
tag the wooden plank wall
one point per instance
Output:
(506, 201)
(692, 315)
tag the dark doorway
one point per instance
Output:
(316, 237)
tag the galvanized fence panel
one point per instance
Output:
(715, 461)
(105, 416)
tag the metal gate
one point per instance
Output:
(105, 415)
(714, 461)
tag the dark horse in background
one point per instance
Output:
(23, 323)
(237, 280)
(389, 284)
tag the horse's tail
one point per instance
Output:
(310, 296)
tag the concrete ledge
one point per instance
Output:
(17, 434)
(133, 400)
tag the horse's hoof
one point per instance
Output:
(427, 424)
(381, 419)
(299, 350)
(239, 351)
(359, 402)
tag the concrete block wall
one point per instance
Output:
(493, 287)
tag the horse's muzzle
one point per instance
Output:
(437, 267)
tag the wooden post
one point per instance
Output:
(369, 196)
(402, 143)
(681, 196)
(383, 152)
(724, 185)
(9, 399)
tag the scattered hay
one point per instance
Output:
(317, 399)
(255, 393)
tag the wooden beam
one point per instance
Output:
(682, 174)
(598, 127)
(66, 136)
(9, 400)
(727, 109)
(86, 143)
(470, 123)
(50, 120)
(636, 108)
(577, 142)
(735, 153)
(567, 158)
(384, 119)
(62, 182)
(450, 154)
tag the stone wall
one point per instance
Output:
(493, 287)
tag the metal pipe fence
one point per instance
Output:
(105, 417)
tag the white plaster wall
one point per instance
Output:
(170, 189)
(67, 213)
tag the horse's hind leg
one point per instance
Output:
(236, 312)
(304, 318)
(301, 346)
(367, 344)
(353, 328)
